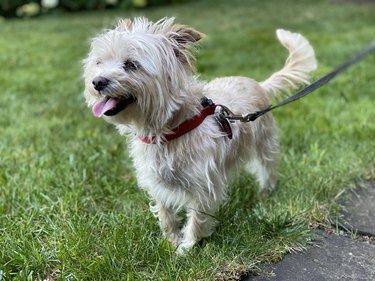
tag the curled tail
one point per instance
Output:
(300, 63)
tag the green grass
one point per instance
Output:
(70, 207)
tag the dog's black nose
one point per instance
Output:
(100, 83)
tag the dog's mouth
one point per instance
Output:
(111, 106)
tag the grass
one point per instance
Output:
(70, 208)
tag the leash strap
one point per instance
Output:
(305, 91)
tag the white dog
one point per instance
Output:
(139, 76)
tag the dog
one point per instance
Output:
(140, 77)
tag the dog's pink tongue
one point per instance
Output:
(103, 106)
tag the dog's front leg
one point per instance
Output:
(200, 223)
(168, 222)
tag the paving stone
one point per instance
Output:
(332, 257)
(359, 214)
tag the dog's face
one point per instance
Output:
(134, 72)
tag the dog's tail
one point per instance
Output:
(300, 63)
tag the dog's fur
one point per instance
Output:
(153, 64)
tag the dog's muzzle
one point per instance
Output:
(100, 83)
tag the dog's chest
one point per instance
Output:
(171, 168)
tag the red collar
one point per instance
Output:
(187, 126)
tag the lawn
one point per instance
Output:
(70, 208)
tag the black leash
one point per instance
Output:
(226, 113)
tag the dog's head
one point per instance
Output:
(138, 71)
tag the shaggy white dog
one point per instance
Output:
(139, 76)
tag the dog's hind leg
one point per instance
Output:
(265, 173)
(264, 163)
(168, 222)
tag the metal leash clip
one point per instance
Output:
(221, 116)
(225, 112)
(224, 116)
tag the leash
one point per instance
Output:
(224, 112)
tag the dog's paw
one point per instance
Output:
(181, 250)
(184, 247)
(267, 189)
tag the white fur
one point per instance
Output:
(192, 171)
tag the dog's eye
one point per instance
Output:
(129, 65)
(98, 62)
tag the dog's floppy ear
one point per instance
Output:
(185, 35)
(183, 38)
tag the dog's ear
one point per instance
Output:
(185, 35)
(183, 38)
(124, 25)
